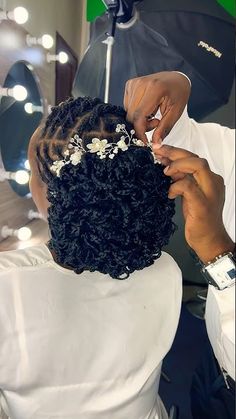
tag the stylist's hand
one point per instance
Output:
(168, 90)
(203, 195)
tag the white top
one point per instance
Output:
(84, 346)
(216, 144)
(220, 315)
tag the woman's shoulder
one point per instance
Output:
(166, 262)
(165, 275)
(23, 258)
(164, 268)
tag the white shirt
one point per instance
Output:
(84, 346)
(216, 144)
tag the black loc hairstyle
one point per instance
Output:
(111, 215)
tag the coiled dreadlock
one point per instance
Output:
(111, 216)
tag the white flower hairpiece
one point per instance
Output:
(102, 148)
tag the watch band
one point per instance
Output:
(219, 257)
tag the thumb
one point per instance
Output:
(152, 124)
(165, 126)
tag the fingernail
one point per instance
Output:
(166, 169)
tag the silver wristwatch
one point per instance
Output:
(220, 272)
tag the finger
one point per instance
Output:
(172, 153)
(131, 87)
(151, 92)
(167, 122)
(188, 165)
(131, 102)
(133, 94)
(126, 95)
(198, 168)
(152, 124)
(163, 160)
(178, 176)
(138, 115)
(143, 125)
(189, 190)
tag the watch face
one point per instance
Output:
(222, 272)
(231, 273)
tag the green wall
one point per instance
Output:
(94, 8)
(229, 6)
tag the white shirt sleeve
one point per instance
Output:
(220, 314)
(216, 144)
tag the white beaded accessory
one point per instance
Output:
(102, 148)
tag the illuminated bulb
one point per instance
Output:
(24, 233)
(47, 41)
(19, 92)
(63, 57)
(21, 177)
(21, 15)
(34, 214)
(28, 107)
(27, 165)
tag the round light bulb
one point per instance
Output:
(21, 177)
(47, 41)
(21, 15)
(19, 92)
(24, 233)
(28, 107)
(27, 165)
(63, 57)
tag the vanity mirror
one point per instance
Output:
(18, 120)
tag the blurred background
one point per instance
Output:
(41, 44)
(52, 49)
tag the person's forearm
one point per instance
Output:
(210, 249)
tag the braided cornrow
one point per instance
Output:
(112, 216)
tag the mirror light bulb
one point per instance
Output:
(24, 233)
(28, 107)
(47, 41)
(31, 108)
(63, 57)
(21, 15)
(19, 92)
(21, 177)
